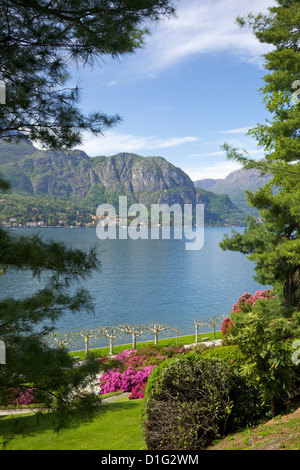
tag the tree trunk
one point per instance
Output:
(111, 346)
(86, 348)
(277, 405)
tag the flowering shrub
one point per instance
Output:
(244, 305)
(247, 301)
(263, 294)
(23, 397)
(131, 380)
(225, 328)
(131, 369)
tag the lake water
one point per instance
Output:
(150, 280)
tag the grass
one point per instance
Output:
(115, 427)
(118, 427)
(279, 433)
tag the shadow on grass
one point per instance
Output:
(35, 424)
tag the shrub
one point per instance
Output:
(129, 370)
(247, 301)
(244, 307)
(22, 397)
(264, 337)
(129, 380)
(230, 354)
(244, 303)
(248, 405)
(189, 402)
(225, 329)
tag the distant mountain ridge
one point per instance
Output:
(235, 185)
(73, 173)
(86, 182)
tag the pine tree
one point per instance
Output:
(274, 245)
(39, 41)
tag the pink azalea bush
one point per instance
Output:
(23, 397)
(132, 368)
(225, 328)
(247, 301)
(244, 305)
(130, 380)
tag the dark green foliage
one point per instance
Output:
(40, 41)
(32, 253)
(192, 400)
(264, 337)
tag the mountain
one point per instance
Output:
(81, 183)
(14, 151)
(235, 185)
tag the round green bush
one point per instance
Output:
(192, 400)
(187, 403)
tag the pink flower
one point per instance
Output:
(133, 373)
(247, 301)
(225, 328)
(26, 397)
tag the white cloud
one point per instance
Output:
(240, 130)
(112, 83)
(113, 143)
(173, 142)
(215, 171)
(209, 154)
(204, 27)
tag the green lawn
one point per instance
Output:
(116, 427)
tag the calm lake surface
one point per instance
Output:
(149, 280)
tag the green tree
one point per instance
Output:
(274, 245)
(40, 40)
(264, 338)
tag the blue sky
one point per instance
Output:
(194, 86)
